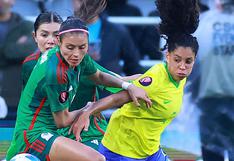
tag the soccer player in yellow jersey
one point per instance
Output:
(133, 133)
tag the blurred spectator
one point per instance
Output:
(15, 41)
(123, 8)
(213, 81)
(203, 7)
(150, 45)
(3, 108)
(146, 38)
(35, 7)
(110, 43)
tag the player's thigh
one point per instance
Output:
(66, 149)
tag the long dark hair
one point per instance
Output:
(179, 19)
(47, 17)
(89, 9)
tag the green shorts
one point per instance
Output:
(93, 136)
(42, 145)
(93, 143)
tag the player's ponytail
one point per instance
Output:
(179, 19)
(89, 9)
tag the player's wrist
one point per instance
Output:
(126, 85)
(88, 108)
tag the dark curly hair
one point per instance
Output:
(89, 9)
(179, 19)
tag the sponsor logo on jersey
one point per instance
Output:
(95, 141)
(146, 81)
(46, 136)
(63, 96)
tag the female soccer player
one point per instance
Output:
(49, 92)
(45, 33)
(133, 133)
(46, 28)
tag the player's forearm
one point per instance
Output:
(108, 80)
(65, 118)
(72, 116)
(114, 100)
(131, 77)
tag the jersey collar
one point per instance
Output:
(176, 84)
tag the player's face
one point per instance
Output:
(46, 36)
(74, 46)
(180, 62)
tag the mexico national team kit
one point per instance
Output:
(51, 87)
(87, 91)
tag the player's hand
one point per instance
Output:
(137, 93)
(81, 122)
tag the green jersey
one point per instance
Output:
(87, 91)
(51, 87)
(28, 65)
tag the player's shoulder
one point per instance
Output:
(32, 57)
(154, 75)
(157, 69)
(56, 69)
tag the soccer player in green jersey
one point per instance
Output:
(133, 133)
(46, 28)
(45, 33)
(49, 92)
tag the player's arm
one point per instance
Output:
(64, 118)
(111, 81)
(131, 77)
(125, 78)
(82, 122)
(58, 98)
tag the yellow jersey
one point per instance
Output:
(135, 131)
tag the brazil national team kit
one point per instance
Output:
(136, 131)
